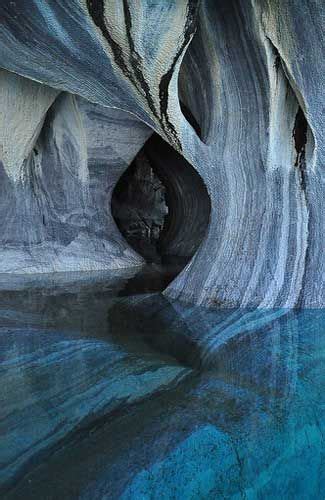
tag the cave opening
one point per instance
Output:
(161, 205)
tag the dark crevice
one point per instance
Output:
(277, 62)
(300, 139)
(161, 205)
(300, 135)
(191, 119)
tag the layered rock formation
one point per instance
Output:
(61, 158)
(251, 76)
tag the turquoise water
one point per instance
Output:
(109, 390)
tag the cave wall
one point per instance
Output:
(263, 184)
(187, 199)
(252, 75)
(61, 157)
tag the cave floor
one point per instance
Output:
(110, 390)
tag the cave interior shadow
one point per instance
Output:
(162, 208)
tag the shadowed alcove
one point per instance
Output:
(161, 205)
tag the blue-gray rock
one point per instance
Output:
(252, 75)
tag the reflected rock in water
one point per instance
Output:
(109, 393)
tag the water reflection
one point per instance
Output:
(109, 390)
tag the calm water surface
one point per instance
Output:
(108, 390)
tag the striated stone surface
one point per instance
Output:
(251, 74)
(58, 178)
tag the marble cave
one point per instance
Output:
(162, 269)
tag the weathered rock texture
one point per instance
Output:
(251, 73)
(60, 160)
